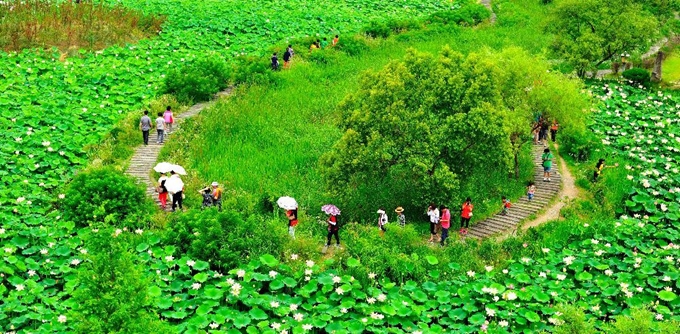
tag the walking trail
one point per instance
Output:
(561, 186)
(145, 156)
(487, 4)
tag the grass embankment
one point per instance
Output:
(266, 141)
(671, 70)
(71, 26)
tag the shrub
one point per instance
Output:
(641, 320)
(470, 14)
(112, 294)
(198, 81)
(377, 29)
(323, 57)
(637, 75)
(574, 321)
(353, 46)
(579, 145)
(223, 238)
(106, 196)
(252, 70)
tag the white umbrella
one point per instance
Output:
(178, 170)
(174, 184)
(163, 167)
(287, 203)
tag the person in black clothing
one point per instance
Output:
(286, 58)
(275, 62)
(543, 134)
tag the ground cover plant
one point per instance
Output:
(47, 282)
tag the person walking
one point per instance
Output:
(162, 191)
(275, 62)
(547, 164)
(207, 198)
(445, 223)
(465, 215)
(531, 190)
(177, 197)
(292, 221)
(333, 229)
(506, 206)
(599, 166)
(160, 128)
(324, 43)
(145, 126)
(400, 216)
(290, 50)
(544, 131)
(433, 213)
(169, 119)
(336, 40)
(553, 130)
(286, 58)
(382, 221)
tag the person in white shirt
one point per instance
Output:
(433, 213)
(382, 221)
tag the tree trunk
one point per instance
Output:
(656, 72)
(516, 158)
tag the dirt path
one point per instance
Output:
(567, 193)
(146, 156)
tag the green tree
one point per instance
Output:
(591, 32)
(419, 128)
(112, 294)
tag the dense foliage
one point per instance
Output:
(591, 32)
(198, 81)
(419, 128)
(105, 196)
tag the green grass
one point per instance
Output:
(671, 69)
(266, 140)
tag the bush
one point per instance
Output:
(112, 293)
(252, 70)
(637, 75)
(470, 14)
(353, 46)
(377, 29)
(106, 196)
(198, 81)
(579, 145)
(323, 57)
(223, 238)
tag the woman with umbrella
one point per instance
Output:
(333, 226)
(290, 205)
(175, 186)
(382, 221)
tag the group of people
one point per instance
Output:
(176, 198)
(163, 122)
(212, 196)
(540, 130)
(440, 220)
(289, 53)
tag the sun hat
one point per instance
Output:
(399, 209)
(215, 184)
(381, 211)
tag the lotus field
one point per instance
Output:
(51, 110)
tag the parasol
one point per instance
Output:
(330, 209)
(287, 203)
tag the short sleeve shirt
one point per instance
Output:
(547, 159)
(146, 123)
(160, 123)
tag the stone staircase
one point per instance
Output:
(522, 208)
(146, 156)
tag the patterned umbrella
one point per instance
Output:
(287, 203)
(330, 209)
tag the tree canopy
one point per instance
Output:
(591, 32)
(422, 126)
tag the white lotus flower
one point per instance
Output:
(337, 279)
(61, 319)
(196, 286)
(274, 304)
(272, 274)
(298, 316)
(191, 263)
(241, 273)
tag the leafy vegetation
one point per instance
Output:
(591, 32)
(198, 81)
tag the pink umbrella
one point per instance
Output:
(330, 209)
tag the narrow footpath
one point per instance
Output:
(146, 156)
(523, 208)
(487, 4)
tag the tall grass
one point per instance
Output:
(68, 25)
(266, 140)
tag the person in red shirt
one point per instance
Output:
(506, 206)
(465, 215)
(292, 221)
(333, 229)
